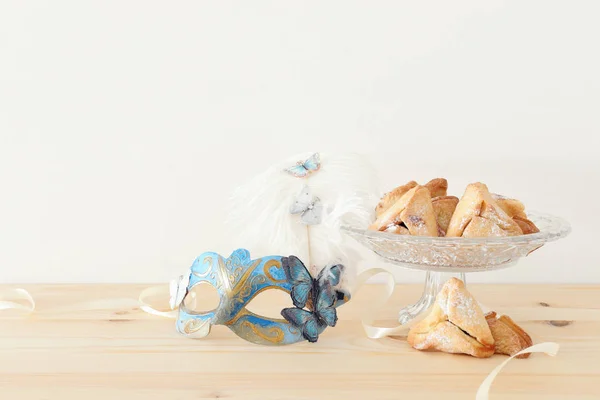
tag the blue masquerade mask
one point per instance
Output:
(238, 279)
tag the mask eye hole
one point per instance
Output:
(270, 302)
(202, 298)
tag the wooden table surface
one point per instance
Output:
(124, 353)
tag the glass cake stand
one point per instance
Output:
(444, 257)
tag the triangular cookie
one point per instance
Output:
(418, 215)
(481, 227)
(478, 202)
(413, 210)
(526, 225)
(391, 216)
(444, 207)
(492, 211)
(512, 207)
(449, 338)
(437, 187)
(391, 197)
(516, 210)
(468, 207)
(509, 337)
(456, 324)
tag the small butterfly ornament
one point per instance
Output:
(316, 294)
(304, 168)
(310, 208)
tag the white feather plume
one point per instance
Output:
(260, 215)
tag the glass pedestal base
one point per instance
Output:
(447, 257)
(433, 284)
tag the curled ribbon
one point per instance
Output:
(97, 305)
(549, 348)
(13, 299)
(177, 292)
(21, 300)
(372, 331)
(146, 303)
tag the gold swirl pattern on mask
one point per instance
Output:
(242, 313)
(271, 335)
(232, 269)
(267, 270)
(218, 282)
(235, 267)
(255, 281)
(194, 325)
(224, 276)
(241, 284)
(235, 274)
(209, 260)
(244, 292)
(233, 262)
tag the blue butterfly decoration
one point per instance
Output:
(318, 294)
(304, 168)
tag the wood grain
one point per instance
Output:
(123, 353)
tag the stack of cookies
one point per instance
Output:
(456, 324)
(427, 210)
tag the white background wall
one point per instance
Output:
(125, 124)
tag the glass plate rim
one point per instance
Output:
(559, 228)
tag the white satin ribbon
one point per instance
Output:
(176, 293)
(16, 299)
(95, 305)
(372, 331)
(549, 348)
(21, 300)
(154, 292)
